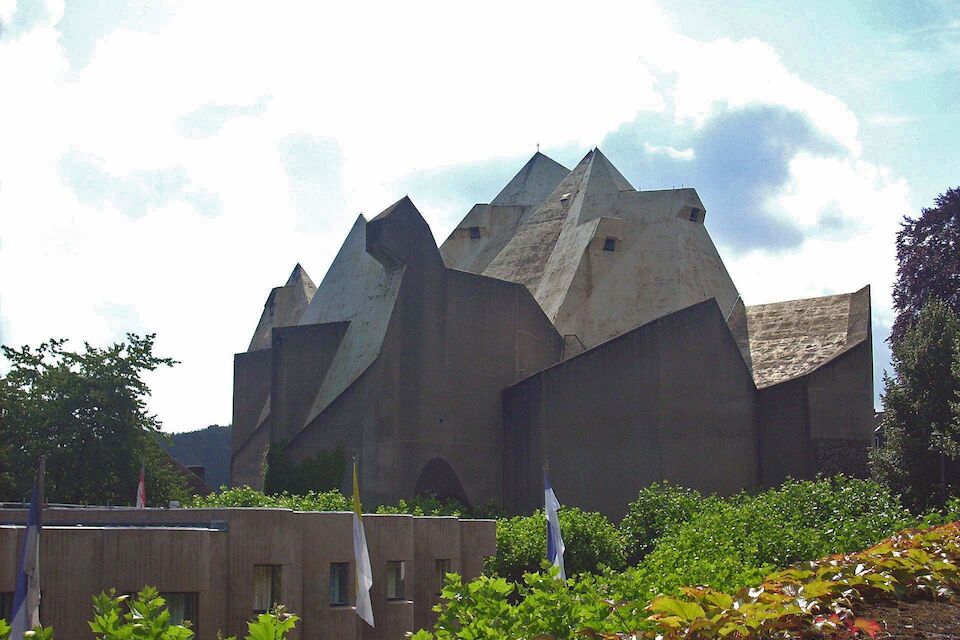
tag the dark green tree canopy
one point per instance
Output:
(86, 412)
(928, 257)
(921, 420)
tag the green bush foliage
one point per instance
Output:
(320, 472)
(426, 506)
(732, 543)
(592, 542)
(247, 497)
(145, 617)
(808, 600)
(659, 507)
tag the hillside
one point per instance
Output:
(209, 447)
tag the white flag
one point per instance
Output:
(361, 557)
(555, 546)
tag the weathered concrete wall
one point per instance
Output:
(301, 358)
(212, 552)
(670, 400)
(454, 342)
(783, 418)
(251, 395)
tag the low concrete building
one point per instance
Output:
(219, 567)
(573, 319)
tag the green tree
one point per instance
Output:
(85, 411)
(920, 421)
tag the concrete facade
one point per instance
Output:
(573, 318)
(209, 555)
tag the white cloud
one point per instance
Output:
(670, 152)
(888, 120)
(416, 88)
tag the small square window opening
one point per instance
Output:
(339, 584)
(694, 214)
(474, 233)
(610, 244)
(395, 580)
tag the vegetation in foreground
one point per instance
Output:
(145, 617)
(814, 599)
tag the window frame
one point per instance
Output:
(396, 581)
(344, 584)
(276, 586)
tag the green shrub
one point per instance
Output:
(322, 472)
(659, 507)
(426, 506)
(247, 497)
(591, 542)
(145, 617)
(734, 542)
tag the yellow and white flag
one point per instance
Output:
(361, 557)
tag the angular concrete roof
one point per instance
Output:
(283, 307)
(533, 183)
(660, 257)
(785, 340)
(357, 289)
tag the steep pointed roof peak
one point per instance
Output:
(403, 210)
(600, 164)
(533, 183)
(298, 273)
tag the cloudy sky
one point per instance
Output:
(164, 164)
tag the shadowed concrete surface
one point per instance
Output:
(573, 318)
(209, 558)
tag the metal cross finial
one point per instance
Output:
(538, 147)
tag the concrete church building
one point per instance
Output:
(573, 319)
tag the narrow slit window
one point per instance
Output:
(442, 569)
(474, 233)
(339, 584)
(267, 579)
(610, 244)
(396, 580)
(694, 214)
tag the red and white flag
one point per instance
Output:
(141, 492)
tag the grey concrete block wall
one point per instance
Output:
(212, 552)
(672, 400)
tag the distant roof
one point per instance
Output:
(789, 339)
(283, 307)
(533, 183)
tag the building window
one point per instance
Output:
(267, 581)
(694, 214)
(610, 244)
(182, 607)
(442, 569)
(339, 584)
(474, 233)
(6, 605)
(395, 580)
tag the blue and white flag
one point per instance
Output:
(26, 598)
(554, 540)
